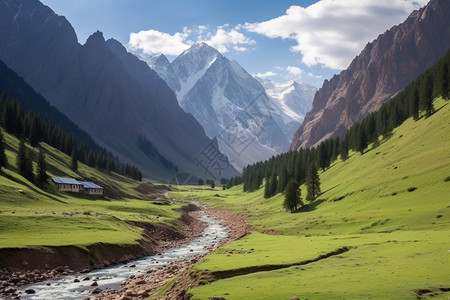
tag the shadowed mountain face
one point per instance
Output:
(383, 68)
(108, 92)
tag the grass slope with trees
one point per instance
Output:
(379, 229)
(34, 214)
(375, 220)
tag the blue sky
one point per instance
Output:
(282, 40)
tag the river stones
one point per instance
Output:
(143, 293)
(30, 291)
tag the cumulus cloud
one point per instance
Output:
(225, 38)
(155, 42)
(294, 71)
(332, 33)
(222, 38)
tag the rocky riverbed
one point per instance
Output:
(141, 286)
(135, 282)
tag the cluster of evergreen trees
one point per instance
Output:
(415, 100)
(278, 171)
(24, 162)
(285, 172)
(37, 128)
(236, 180)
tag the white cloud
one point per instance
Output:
(294, 71)
(314, 76)
(155, 42)
(222, 38)
(265, 75)
(332, 32)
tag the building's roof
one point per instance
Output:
(85, 184)
(90, 185)
(63, 180)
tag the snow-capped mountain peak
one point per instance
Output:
(231, 104)
(295, 97)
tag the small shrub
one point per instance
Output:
(412, 189)
(447, 179)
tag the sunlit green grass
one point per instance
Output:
(378, 266)
(32, 217)
(391, 206)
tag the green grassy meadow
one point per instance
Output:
(33, 217)
(389, 207)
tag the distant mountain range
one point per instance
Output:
(232, 105)
(383, 68)
(107, 92)
(293, 99)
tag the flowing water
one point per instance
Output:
(112, 277)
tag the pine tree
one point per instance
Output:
(382, 121)
(442, 81)
(267, 188)
(336, 144)
(446, 81)
(312, 183)
(371, 130)
(322, 156)
(74, 164)
(414, 104)
(256, 183)
(34, 134)
(426, 95)
(283, 179)
(299, 172)
(292, 196)
(273, 184)
(9, 117)
(343, 149)
(29, 165)
(3, 158)
(41, 168)
(21, 159)
(362, 140)
(394, 117)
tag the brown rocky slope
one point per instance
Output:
(383, 68)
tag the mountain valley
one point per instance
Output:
(160, 168)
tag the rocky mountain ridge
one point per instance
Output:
(102, 89)
(383, 68)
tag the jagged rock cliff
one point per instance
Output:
(383, 68)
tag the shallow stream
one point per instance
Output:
(111, 277)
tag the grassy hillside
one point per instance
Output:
(30, 216)
(380, 229)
